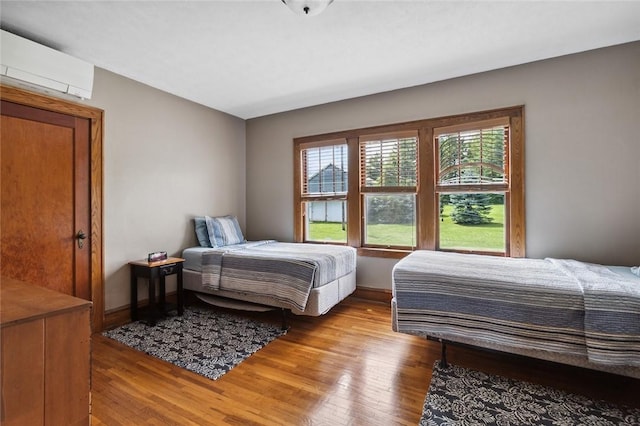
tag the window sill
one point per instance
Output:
(384, 253)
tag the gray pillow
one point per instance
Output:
(224, 231)
(201, 231)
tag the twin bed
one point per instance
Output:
(559, 310)
(307, 279)
(226, 270)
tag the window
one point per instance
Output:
(324, 192)
(471, 184)
(451, 183)
(388, 184)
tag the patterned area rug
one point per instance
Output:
(458, 396)
(202, 340)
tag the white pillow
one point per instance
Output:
(635, 270)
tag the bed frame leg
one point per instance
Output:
(443, 358)
(285, 322)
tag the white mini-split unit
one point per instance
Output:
(25, 61)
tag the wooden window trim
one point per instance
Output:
(402, 134)
(387, 189)
(426, 200)
(495, 122)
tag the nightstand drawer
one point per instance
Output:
(168, 269)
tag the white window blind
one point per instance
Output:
(324, 170)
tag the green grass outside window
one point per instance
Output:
(487, 237)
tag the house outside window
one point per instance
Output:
(324, 190)
(450, 183)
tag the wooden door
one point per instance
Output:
(45, 178)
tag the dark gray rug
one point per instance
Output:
(458, 396)
(202, 340)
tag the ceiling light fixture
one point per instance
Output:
(307, 7)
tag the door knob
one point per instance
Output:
(80, 236)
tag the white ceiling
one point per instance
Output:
(253, 58)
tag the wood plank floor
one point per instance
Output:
(344, 368)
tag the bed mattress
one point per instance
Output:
(331, 262)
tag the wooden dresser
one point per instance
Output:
(45, 342)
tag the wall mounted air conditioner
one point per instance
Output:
(25, 61)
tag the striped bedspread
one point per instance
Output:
(543, 304)
(286, 271)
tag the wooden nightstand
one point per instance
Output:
(155, 271)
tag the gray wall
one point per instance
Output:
(582, 138)
(165, 160)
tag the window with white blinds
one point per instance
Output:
(325, 170)
(324, 191)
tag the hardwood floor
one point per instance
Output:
(344, 368)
